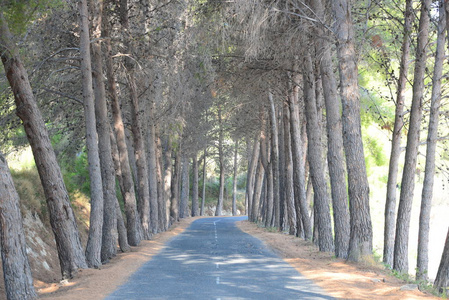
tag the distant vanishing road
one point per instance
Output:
(213, 259)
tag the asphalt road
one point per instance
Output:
(213, 259)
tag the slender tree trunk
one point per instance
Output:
(298, 151)
(234, 182)
(121, 228)
(258, 185)
(93, 248)
(335, 155)
(218, 211)
(174, 203)
(361, 238)
(168, 171)
(390, 204)
(152, 173)
(442, 280)
(282, 168)
(427, 191)
(109, 242)
(275, 161)
(288, 184)
(250, 179)
(203, 197)
(185, 188)
(161, 196)
(400, 262)
(62, 219)
(316, 163)
(16, 268)
(195, 185)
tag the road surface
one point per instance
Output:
(213, 259)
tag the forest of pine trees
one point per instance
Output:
(156, 93)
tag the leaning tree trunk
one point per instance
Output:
(316, 163)
(390, 204)
(62, 218)
(426, 196)
(109, 231)
(400, 262)
(361, 238)
(195, 186)
(16, 268)
(442, 280)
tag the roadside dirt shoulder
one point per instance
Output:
(338, 278)
(98, 283)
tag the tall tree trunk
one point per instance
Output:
(174, 203)
(282, 168)
(335, 155)
(185, 188)
(316, 163)
(16, 268)
(121, 228)
(257, 193)
(400, 262)
(275, 161)
(168, 171)
(390, 204)
(152, 172)
(62, 219)
(288, 184)
(251, 176)
(427, 190)
(195, 185)
(234, 181)
(161, 197)
(361, 238)
(442, 280)
(298, 151)
(109, 241)
(218, 211)
(203, 197)
(93, 248)
(268, 179)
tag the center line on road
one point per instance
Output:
(218, 280)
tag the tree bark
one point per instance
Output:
(93, 248)
(361, 238)
(275, 161)
(109, 231)
(174, 204)
(335, 155)
(161, 196)
(195, 185)
(62, 219)
(152, 173)
(427, 190)
(298, 151)
(185, 188)
(316, 163)
(203, 197)
(288, 184)
(218, 211)
(251, 176)
(168, 171)
(390, 204)
(442, 280)
(16, 268)
(400, 262)
(234, 181)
